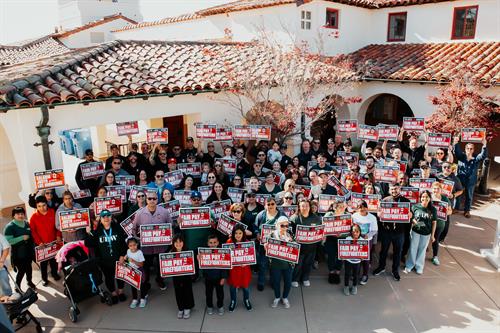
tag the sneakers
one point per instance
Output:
(295, 284)
(180, 314)
(364, 280)
(346, 291)
(220, 311)
(161, 284)
(467, 214)
(286, 303)
(420, 272)
(396, 276)
(354, 290)
(45, 283)
(406, 270)
(187, 314)
(275, 303)
(31, 285)
(210, 311)
(307, 283)
(143, 303)
(232, 306)
(134, 304)
(435, 261)
(248, 305)
(378, 271)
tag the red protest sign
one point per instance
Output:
(224, 134)
(354, 249)
(117, 190)
(309, 234)
(474, 135)
(265, 231)
(219, 207)
(305, 189)
(128, 274)
(183, 196)
(226, 224)
(335, 182)
(386, 173)
(347, 126)
(80, 194)
(242, 253)
(156, 234)
(206, 131)
(235, 193)
(125, 180)
(421, 183)
(229, 165)
(441, 209)
(174, 177)
(205, 192)
(47, 251)
(410, 193)
(367, 132)
(287, 251)
(127, 128)
(214, 258)
(242, 132)
(134, 189)
(413, 124)
(172, 208)
(113, 204)
(372, 200)
(177, 264)
(261, 132)
(128, 224)
(49, 179)
(262, 198)
(447, 186)
(74, 219)
(326, 200)
(194, 217)
(288, 210)
(388, 132)
(398, 212)
(157, 135)
(337, 225)
(439, 139)
(92, 170)
(193, 169)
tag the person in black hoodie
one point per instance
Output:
(109, 244)
(214, 279)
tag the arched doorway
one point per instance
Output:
(323, 128)
(387, 109)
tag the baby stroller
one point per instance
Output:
(18, 309)
(82, 276)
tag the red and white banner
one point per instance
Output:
(354, 249)
(219, 207)
(398, 212)
(309, 234)
(193, 169)
(235, 193)
(341, 189)
(172, 208)
(134, 189)
(287, 251)
(288, 210)
(413, 124)
(177, 264)
(127, 128)
(157, 135)
(447, 186)
(205, 192)
(347, 126)
(422, 183)
(261, 132)
(441, 209)
(92, 170)
(265, 231)
(326, 200)
(156, 234)
(474, 135)
(242, 253)
(229, 165)
(388, 132)
(372, 200)
(184, 197)
(195, 217)
(117, 190)
(442, 140)
(74, 219)
(214, 258)
(113, 204)
(410, 193)
(128, 274)
(80, 194)
(386, 173)
(125, 180)
(47, 251)
(206, 131)
(224, 134)
(367, 132)
(226, 224)
(305, 189)
(262, 198)
(174, 177)
(337, 225)
(128, 224)
(242, 132)
(49, 179)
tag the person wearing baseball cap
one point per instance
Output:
(92, 183)
(189, 149)
(115, 153)
(285, 159)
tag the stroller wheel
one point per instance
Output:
(73, 315)
(107, 298)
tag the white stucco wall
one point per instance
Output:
(9, 178)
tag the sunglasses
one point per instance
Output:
(316, 142)
(162, 154)
(288, 198)
(159, 176)
(237, 211)
(446, 167)
(239, 153)
(217, 165)
(196, 199)
(211, 177)
(210, 146)
(141, 196)
(261, 155)
(152, 199)
(46, 193)
(106, 215)
(271, 204)
(439, 153)
(117, 163)
(284, 226)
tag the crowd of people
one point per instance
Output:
(261, 169)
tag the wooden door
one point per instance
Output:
(175, 127)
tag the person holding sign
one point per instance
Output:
(351, 266)
(331, 248)
(108, 242)
(369, 228)
(159, 184)
(90, 183)
(281, 269)
(69, 204)
(214, 279)
(183, 284)
(239, 276)
(43, 230)
(135, 259)
(415, 152)
(457, 190)
(423, 228)
(437, 195)
(467, 170)
(303, 216)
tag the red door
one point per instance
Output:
(175, 127)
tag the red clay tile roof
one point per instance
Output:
(40, 48)
(427, 62)
(105, 19)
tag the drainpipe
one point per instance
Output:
(44, 132)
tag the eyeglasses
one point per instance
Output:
(210, 146)
(159, 176)
(237, 179)
(288, 198)
(107, 215)
(284, 226)
(141, 196)
(316, 142)
(446, 167)
(239, 153)
(49, 193)
(217, 165)
(176, 149)
(117, 162)
(261, 155)
(439, 153)
(196, 199)
(271, 204)
(211, 177)
(152, 199)
(237, 211)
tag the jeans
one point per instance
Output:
(416, 257)
(210, 285)
(387, 238)
(151, 260)
(276, 275)
(4, 282)
(44, 268)
(469, 185)
(233, 290)
(304, 266)
(331, 249)
(351, 269)
(263, 262)
(435, 245)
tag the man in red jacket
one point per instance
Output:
(43, 230)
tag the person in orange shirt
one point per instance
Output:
(43, 230)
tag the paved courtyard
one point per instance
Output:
(461, 295)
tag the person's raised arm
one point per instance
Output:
(384, 148)
(363, 148)
(153, 154)
(458, 151)
(484, 151)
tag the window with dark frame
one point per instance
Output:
(396, 27)
(464, 22)
(332, 18)
(305, 20)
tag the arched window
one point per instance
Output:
(387, 109)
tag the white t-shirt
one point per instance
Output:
(367, 223)
(136, 256)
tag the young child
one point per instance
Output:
(274, 153)
(214, 279)
(352, 266)
(135, 258)
(239, 276)
(183, 285)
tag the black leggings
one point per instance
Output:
(210, 285)
(109, 277)
(23, 267)
(152, 260)
(351, 269)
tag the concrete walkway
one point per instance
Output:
(461, 295)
